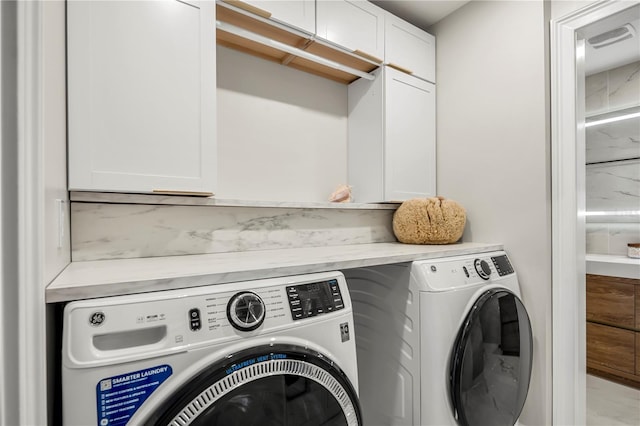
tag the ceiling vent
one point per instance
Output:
(624, 32)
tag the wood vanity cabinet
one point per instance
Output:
(610, 347)
(638, 307)
(141, 95)
(611, 300)
(637, 328)
(637, 355)
(613, 328)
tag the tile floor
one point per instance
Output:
(611, 404)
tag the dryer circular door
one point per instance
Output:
(491, 361)
(266, 385)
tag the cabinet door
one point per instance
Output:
(611, 347)
(410, 48)
(300, 14)
(637, 353)
(365, 145)
(637, 287)
(610, 300)
(410, 137)
(356, 25)
(141, 78)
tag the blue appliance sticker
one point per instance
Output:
(119, 397)
(250, 361)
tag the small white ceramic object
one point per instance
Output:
(633, 250)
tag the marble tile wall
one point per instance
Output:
(116, 231)
(613, 186)
(613, 89)
(613, 141)
(611, 238)
(613, 162)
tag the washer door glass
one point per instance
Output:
(491, 360)
(270, 385)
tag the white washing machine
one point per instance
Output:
(267, 352)
(441, 342)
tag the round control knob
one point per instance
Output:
(482, 268)
(246, 311)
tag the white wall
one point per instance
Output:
(282, 133)
(55, 139)
(57, 248)
(493, 150)
(9, 354)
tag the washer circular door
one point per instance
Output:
(491, 361)
(265, 385)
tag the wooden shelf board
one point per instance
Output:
(273, 32)
(250, 47)
(322, 71)
(340, 57)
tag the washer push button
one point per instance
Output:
(294, 303)
(195, 322)
(337, 297)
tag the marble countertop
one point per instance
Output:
(91, 279)
(183, 200)
(613, 266)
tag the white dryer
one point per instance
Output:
(441, 342)
(267, 352)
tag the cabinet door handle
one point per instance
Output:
(367, 56)
(249, 8)
(183, 193)
(399, 68)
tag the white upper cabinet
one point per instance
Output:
(299, 14)
(356, 25)
(409, 48)
(141, 95)
(392, 137)
(410, 137)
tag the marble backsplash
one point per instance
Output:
(117, 231)
(611, 238)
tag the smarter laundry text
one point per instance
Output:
(135, 376)
(119, 397)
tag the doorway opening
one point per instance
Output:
(583, 208)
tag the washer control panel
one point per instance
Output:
(150, 324)
(311, 299)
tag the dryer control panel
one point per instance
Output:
(502, 264)
(462, 271)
